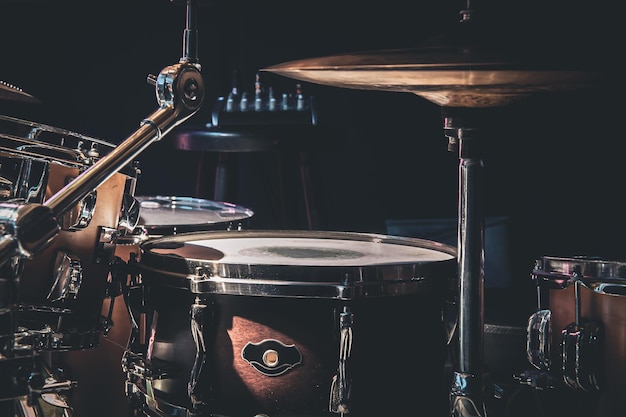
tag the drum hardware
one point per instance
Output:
(271, 357)
(200, 314)
(340, 388)
(47, 390)
(116, 282)
(137, 360)
(84, 216)
(538, 346)
(48, 403)
(63, 337)
(129, 215)
(581, 349)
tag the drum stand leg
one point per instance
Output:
(466, 395)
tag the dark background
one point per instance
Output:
(553, 165)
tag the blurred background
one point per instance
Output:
(378, 161)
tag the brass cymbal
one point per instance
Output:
(453, 76)
(11, 92)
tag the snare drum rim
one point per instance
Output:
(339, 282)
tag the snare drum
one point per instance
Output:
(64, 285)
(577, 338)
(290, 323)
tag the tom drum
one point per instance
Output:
(170, 215)
(577, 338)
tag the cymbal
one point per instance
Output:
(452, 76)
(11, 92)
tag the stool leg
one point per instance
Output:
(307, 190)
(223, 179)
(200, 174)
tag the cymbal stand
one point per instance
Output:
(29, 228)
(464, 135)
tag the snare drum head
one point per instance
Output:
(165, 215)
(298, 263)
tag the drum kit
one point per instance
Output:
(225, 321)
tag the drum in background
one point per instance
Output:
(577, 338)
(290, 323)
(169, 215)
(64, 285)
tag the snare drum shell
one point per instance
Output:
(396, 364)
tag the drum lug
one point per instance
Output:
(112, 290)
(538, 339)
(341, 385)
(86, 208)
(200, 323)
(135, 367)
(117, 279)
(105, 245)
(69, 277)
(581, 354)
(129, 214)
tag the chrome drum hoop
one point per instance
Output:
(290, 264)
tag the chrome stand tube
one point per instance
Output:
(467, 393)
